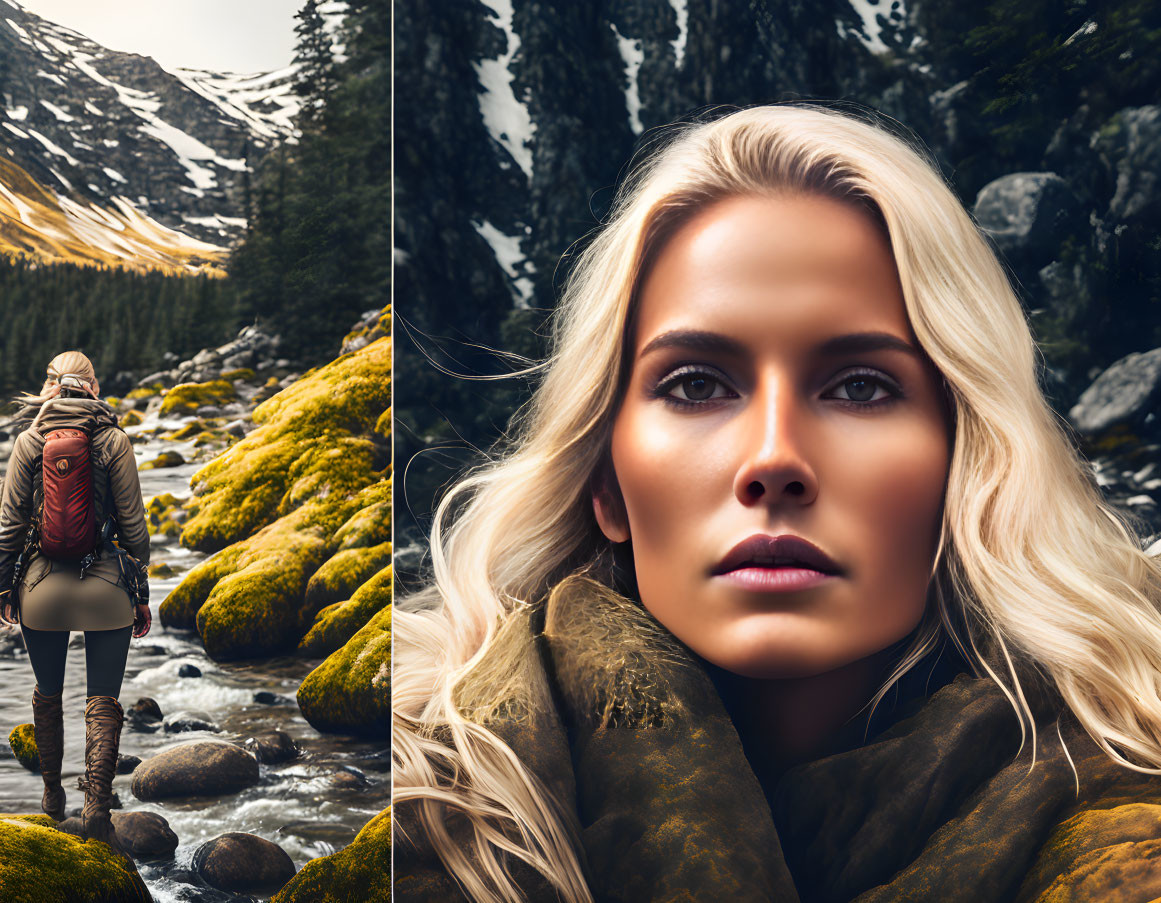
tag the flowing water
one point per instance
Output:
(310, 806)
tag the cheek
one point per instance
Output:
(671, 478)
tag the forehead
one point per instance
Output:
(792, 270)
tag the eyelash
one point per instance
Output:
(675, 378)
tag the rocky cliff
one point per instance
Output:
(110, 130)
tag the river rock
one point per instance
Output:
(348, 780)
(43, 863)
(1124, 397)
(127, 764)
(1028, 214)
(272, 746)
(188, 670)
(144, 835)
(243, 863)
(180, 722)
(197, 768)
(360, 871)
(147, 708)
(350, 690)
(265, 697)
(22, 740)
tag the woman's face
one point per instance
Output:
(777, 392)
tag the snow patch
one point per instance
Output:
(509, 256)
(632, 55)
(114, 175)
(19, 114)
(505, 117)
(15, 131)
(16, 28)
(53, 149)
(55, 79)
(682, 11)
(56, 111)
(869, 35)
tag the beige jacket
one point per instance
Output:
(116, 487)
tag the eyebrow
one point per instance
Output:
(855, 342)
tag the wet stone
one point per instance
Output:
(145, 835)
(272, 746)
(197, 768)
(127, 764)
(243, 862)
(147, 708)
(180, 722)
(189, 671)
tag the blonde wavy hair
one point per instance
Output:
(1035, 576)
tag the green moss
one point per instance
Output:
(350, 691)
(191, 429)
(311, 441)
(368, 526)
(163, 571)
(40, 863)
(146, 391)
(165, 459)
(162, 516)
(336, 624)
(186, 398)
(131, 418)
(22, 739)
(243, 373)
(344, 573)
(360, 871)
(210, 437)
(113, 401)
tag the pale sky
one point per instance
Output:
(221, 35)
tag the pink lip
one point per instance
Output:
(776, 564)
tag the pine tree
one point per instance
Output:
(316, 77)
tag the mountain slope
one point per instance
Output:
(112, 128)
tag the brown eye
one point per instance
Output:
(865, 389)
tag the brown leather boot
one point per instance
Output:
(49, 723)
(103, 720)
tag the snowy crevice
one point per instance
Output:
(505, 117)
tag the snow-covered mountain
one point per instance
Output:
(119, 142)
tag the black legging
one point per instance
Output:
(105, 654)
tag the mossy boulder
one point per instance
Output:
(314, 439)
(187, 431)
(359, 871)
(164, 515)
(38, 862)
(273, 506)
(243, 373)
(350, 691)
(186, 398)
(344, 573)
(22, 739)
(163, 571)
(149, 391)
(336, 624)
(165, 459)
(368, 526)
(131, 418)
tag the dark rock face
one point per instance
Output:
(200, 768)
(1133, 140)
(98, 124)
(243, 863)
(1125, 395)
(145, 835)
(1028, 213)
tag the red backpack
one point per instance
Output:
(68, 520)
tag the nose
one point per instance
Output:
(776, 467)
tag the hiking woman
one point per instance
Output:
(71, 485)
(789, 467)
